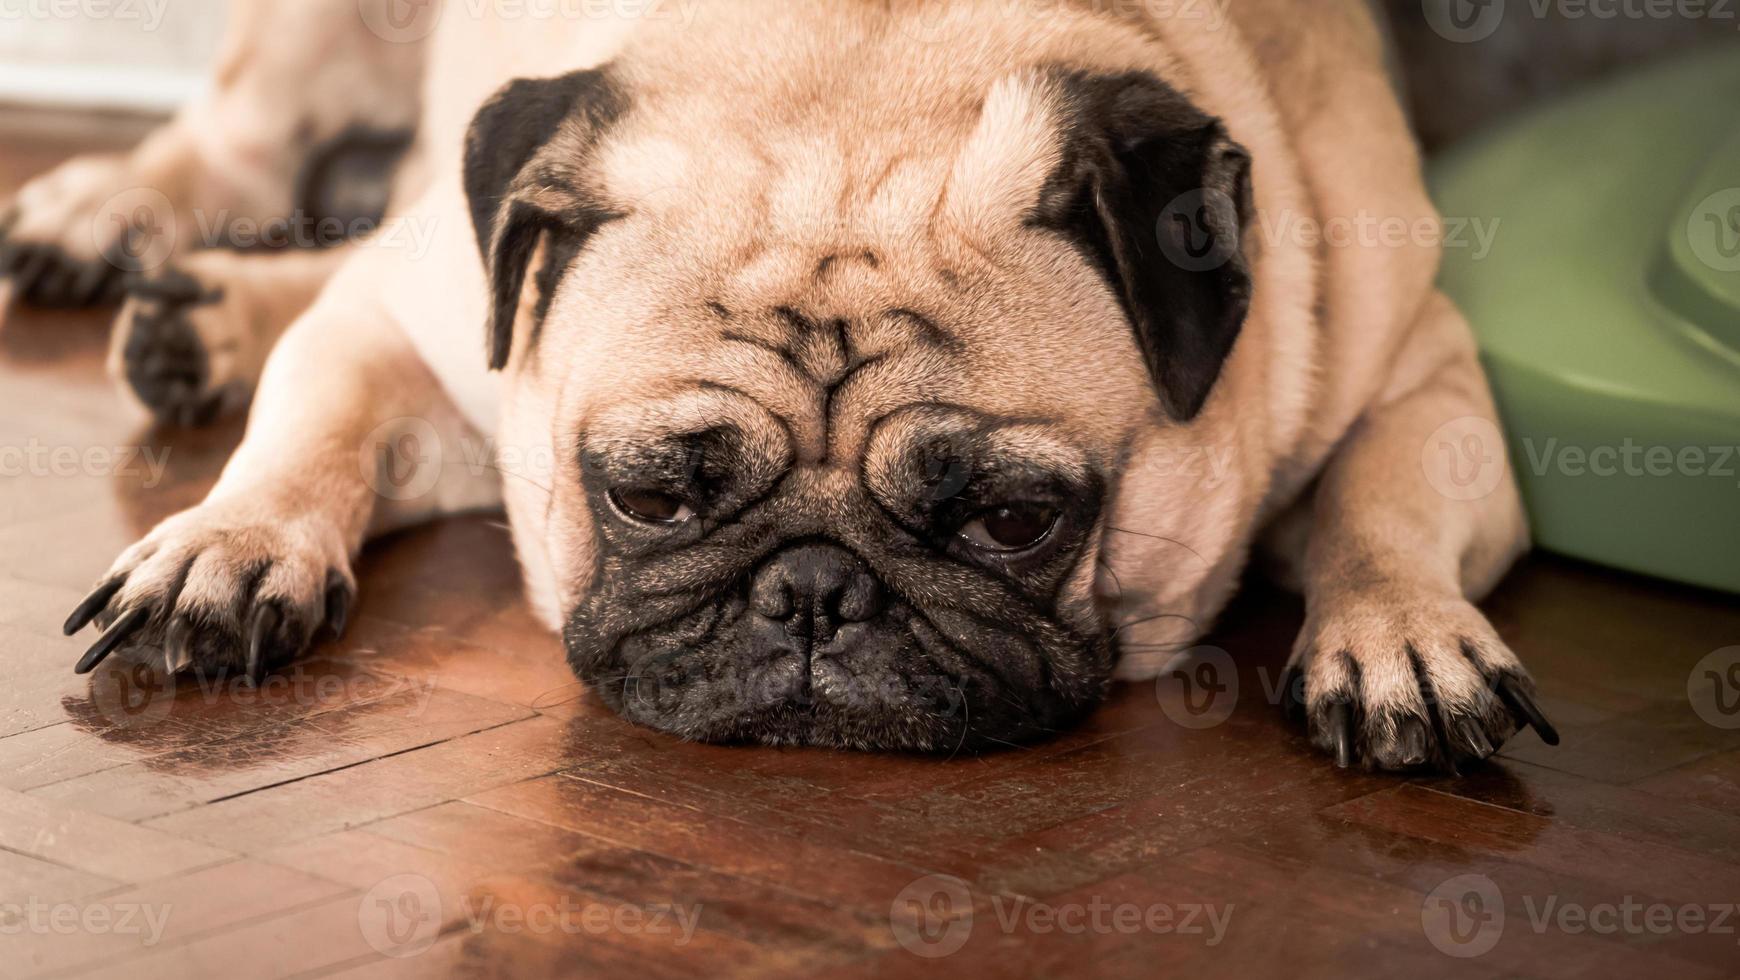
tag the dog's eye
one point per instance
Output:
(651, 506)
(1013, 527)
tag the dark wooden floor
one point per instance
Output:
(437, 795)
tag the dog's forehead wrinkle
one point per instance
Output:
(830, 184)
(666, 428)
(813, 369)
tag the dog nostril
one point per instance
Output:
(771, 597)
(816, 588)
(860, 601)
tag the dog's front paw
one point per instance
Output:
(221, 588)
(170, 345)
(1400, 680)
(56, 247)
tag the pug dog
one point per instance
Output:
(885, 375)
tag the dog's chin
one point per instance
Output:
(895, 684)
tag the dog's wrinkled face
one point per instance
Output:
(925, 591)
(839, 399)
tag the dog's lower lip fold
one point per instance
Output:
(870, 683)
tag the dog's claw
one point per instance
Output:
(338, 599)
(265, 621)
(1476, 741)
(166, 362)
(92, 605)
(1413, 741)
(1522, 705)
(87, 289)
(177, 646)
(113, 637)
(54, 283)
(1341, 729)
(34, 264)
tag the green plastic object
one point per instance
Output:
(1608, 312)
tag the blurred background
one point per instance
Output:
(1466, 61)
(140, 55)
(1469, 62)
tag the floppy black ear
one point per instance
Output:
(525, 159)
(1157, 196)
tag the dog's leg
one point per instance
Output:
(292, 78)
(1415, 516)
(193, 335)
(346, 437)
(192, 338)
(70, 236)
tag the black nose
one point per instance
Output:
(814, 589)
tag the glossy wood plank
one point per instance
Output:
(93, 843)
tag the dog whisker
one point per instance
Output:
(1153, 619)
(1162, 537)
(1117, 582)
(522, 478)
